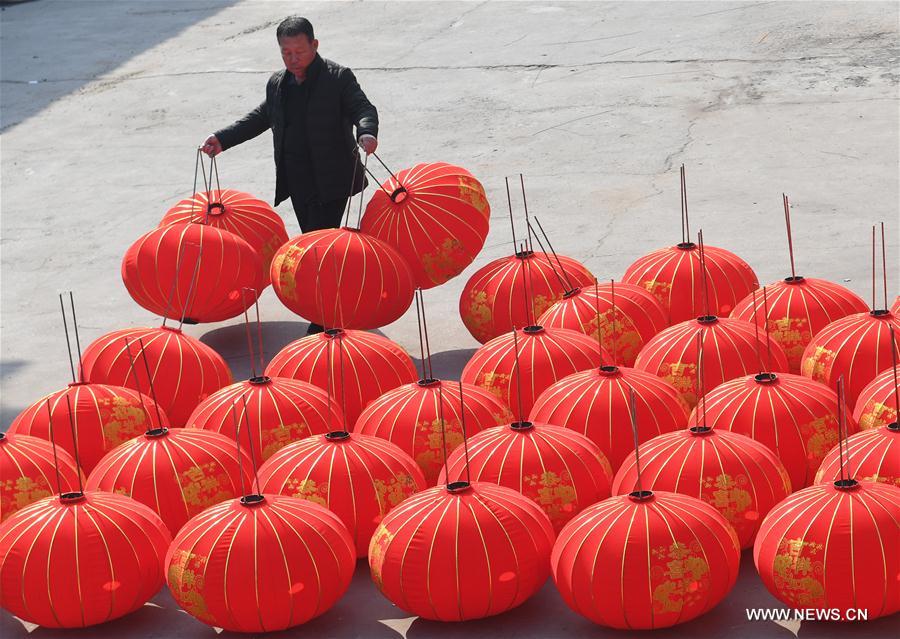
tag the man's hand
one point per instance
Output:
(368, 143)
(212, 147)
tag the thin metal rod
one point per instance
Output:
(524, 259)
(329, 362)
(377, 181)
(462, 421)
(894, 370)
(338, 307)
(840, 394)
(701, 376)
(78, 340)
(249, 335)
(78, 466)
(873, 267)
(362, 194)
(259, 336)
(62, 307)
(159, 418)
(597, 312)
(527, 265)
(549, 261)
(319, 294)
(443, 431)
(512, 222)
(136, 381)
(178, 262)
(421, 341)
(53, 444)
(425, 331)
(529, 244)
(343, 385)
(345, 218)
(704, 282)
(250, 440)
(615, 329)
(237, 443)
(188, 300)
(684, 204)
(556, 257)
(197, 162)
(883, 277)
(387, 169)
(768, 337)
(518, 375)
(787, 223)
(756, 332)
(632, 409)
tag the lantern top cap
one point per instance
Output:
(700, 430)
(251, 500)
(707, 319)
(428, 381)
(572, 292)
(456, 487)
(173, 329)
(523, 255)
(534, 328)
(880, 313)
(71, 498)
(333, 332)
(399, 194)
(2, 437)
(337, 435)
(794, 279)
(215, 208)
(685, 246)
(610, 370)
(78, 383)
(521, 426)
(350, 229)
(846, 484)
(641, 495)
(260, 380)
(156, 432)
(894, 427)
(765, 378)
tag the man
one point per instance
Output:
(311, 106)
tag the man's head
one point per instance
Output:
(298, 44)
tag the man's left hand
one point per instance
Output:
(368, 143)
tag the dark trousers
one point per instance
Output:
(313, 215)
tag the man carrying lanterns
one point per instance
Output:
(311, 106)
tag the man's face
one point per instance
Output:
(298, 52)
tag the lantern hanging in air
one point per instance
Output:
(177, 473)
(250, 218)
(342, 278)
(193, 271)
(795, 417)
(410, 417)
(371, 365)
(799, 307)
(436, 215)
(183, 370)
(274, 410)
(877, 402)
(595, 403)
(673, 276)
(645, 560)
(28, 472)
(856, 347)
(833, 546)
(562, 471)
(80, 559)
(357, 477)
(637, 317)
(731, 349)
(515, 290)
(261, 563)
(519, 365)
(461, 552)
(869, 455)
(103, 416)
(733, 473)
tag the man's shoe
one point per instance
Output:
(314, 329)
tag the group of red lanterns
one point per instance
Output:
(628, 438)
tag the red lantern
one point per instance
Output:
(545, 355)
(793, 416)
(734, 474)
(250, 218)
(674, 276)
(372, 365)
(494, 299)
(460, 552)
(177, 473)
(77, 560)
(560, 470)
(260, 563)
(410, 417)
(730, 349)
(856, 347)
(645, 560)
(357, 477)
(274, 410)
(636, 319)
(103, 415)
(183, 370)
(194, 270)
(28, 470)
(870, 455)
(595, 403)
(342, 277)
(877, 403)
(799, 307)
(833, 546)
(436, 215)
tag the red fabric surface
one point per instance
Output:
(869, 455)
(877, 402)
(28, 472)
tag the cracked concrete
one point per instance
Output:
(596, 103)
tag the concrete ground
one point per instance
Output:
(103, 105)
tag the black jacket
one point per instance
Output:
(336, 104)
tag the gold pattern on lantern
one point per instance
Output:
(659, 290)
(496, 383)
(554, 493)
(792, 333)
(818, 365)
(877, 414)
(377, 547)
(308, 489)
(797, 572)
(268, 250)
(204, 485)
(679, 576)
(431, 459)
(20, 492)
(282, 435)
(391, 492)
(471, 191)
(627, 339)
(542, 302)
(286, 265)
(446, 261)
(122, 419)
(478, 316)
(186, 579)
(727, 495)
(682, 376)
(820, 435)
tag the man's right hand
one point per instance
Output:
(212, 146)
